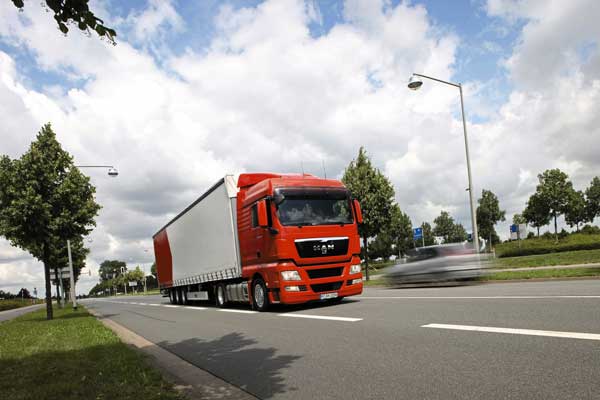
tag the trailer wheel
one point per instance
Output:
(260, 297)
(220, 295)
(172, 298)
(179, 296)
(184, 297)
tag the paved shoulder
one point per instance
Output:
(10, 314)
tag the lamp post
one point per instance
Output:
(415, 83)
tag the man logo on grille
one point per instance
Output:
(324, 248)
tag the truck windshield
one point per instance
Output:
(315, 209)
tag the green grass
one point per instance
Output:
(564, 258)
(542, 274)
(16, 303)
(72, 357)
(541, 245)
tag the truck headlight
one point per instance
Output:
(290, 276)
(355, 269)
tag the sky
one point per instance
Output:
(195, 90)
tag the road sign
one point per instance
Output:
(134, 283)
(417, 233)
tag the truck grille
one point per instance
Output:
(326, 287)
(322, 247)
(324, 273)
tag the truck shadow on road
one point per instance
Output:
(237, 360)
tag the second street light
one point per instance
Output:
(414, 83)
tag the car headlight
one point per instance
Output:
(290, 275)
(355, 269)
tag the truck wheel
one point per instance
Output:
(220, 295)
(179, 296)
(184, 298)
(172, 298)
(260, 297)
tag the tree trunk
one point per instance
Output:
(49, 314)
(58, 294)
(538, 229)
(366, 258)
(555, 229)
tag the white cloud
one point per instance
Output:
(266, 95)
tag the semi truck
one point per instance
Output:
(263, 239)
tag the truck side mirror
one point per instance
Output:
(358, 211)
(263, 220)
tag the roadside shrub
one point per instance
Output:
(530, 235)
(546, 244)
(590, 230)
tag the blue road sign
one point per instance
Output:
(417, 233)
(514, 228)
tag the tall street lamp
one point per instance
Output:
(415, 83)
(112, 171)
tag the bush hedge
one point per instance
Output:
(544, 245)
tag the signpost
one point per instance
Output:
(418, 234)
(71, 276)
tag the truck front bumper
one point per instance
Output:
(295, 297)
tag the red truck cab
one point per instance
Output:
(298, 238)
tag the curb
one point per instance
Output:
(193, 382)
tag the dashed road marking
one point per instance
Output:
(531, 332)
(311, 316)
(239, 311)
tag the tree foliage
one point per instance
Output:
(519, 219)
(488, 215)
(554, 189)
(75, 12)
(444, 226)
(375, 194)
(592, 194)
(109, 269)
(536, 213)
(576, 211)
(45, 200)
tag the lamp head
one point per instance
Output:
(112, 172)
(414, 82)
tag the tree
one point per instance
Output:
(153, 269)
(44, 200)
(592, 195)
(576, 212)
(75, 12)
(110, 269)
(428, 238)
(400, 230)
(458, 234)
(518, 219)
(536, 212)
(23, 294)
(375, 194)
(488, 215)
(555, 189)
(444, 226)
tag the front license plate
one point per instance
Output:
(325, 296)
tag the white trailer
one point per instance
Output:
(201, 245)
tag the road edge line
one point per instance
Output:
(193, 381)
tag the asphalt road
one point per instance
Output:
(378, 345)
(10, 314)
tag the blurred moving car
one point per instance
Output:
(439, 263)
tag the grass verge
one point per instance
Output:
(564, 258)
(543, 245)
(17, 303)
(73, 356)
(542, 274)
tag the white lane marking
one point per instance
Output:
(240, 311)
(531, 332)
(155, 305)
(480, 297)
(196, 308)
(143, 304)
(171, 306)
(311, 316)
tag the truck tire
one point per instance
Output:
(184, 297)
(172, 298)
(260, 296)
(179, 296)
(220, 295)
